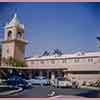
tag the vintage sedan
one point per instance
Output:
(17, 82)
(39, 80)
(62, 82)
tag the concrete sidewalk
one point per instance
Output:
(10, 92)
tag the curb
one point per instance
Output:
(11, 92)
(92, 88)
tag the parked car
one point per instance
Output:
(18, 82)
(62, 82)
(39, 80)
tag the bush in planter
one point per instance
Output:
(97, 83)
(91, 83)
(13, 62)
(20, 64)
(84, 83)
(87, 84)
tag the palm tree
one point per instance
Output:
(20, 63)
(7, 62)
(3, 60)
(11, 61)
(58, 52)
(46, 53)
(98, 38)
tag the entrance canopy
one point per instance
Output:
(36, 67)
(76, 67)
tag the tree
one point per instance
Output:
(46, 53)
(13, 62)
(58, 52)
(3, 60)
(20, 63)
(98, 38)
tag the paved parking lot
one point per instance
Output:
(42, 92)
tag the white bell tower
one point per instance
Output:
(13, 44)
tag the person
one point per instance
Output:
(51, 94)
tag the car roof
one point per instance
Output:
(41, 77)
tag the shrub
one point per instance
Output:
(20, 64)
(84, 83)
(13, 62)
(97, 83)
(91, 83)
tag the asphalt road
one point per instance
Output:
(42, 92)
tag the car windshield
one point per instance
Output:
(15, 78)
(61, 79)
(40, 77)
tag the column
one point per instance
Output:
(10, 71)
(52, 75)
(3, 74)
(40, 73)
(65, 75)
(59, 73)
(47, 74)
(30, 74)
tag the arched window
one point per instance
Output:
(9, 35)
(19, 35)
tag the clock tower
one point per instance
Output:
(13, 44)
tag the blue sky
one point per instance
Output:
(70, 27)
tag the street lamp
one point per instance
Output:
(30, 47)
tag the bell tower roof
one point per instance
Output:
(15, 22)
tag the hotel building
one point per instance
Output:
(79, 66)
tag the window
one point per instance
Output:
(42, 62)
(90, 60)
(76, 60)
(46, 61)
(32, 62)
(64, 61)
(19, 35)
(8, 50)
(58, 61)
(53, 61)
(69, 60)
(9, 35)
